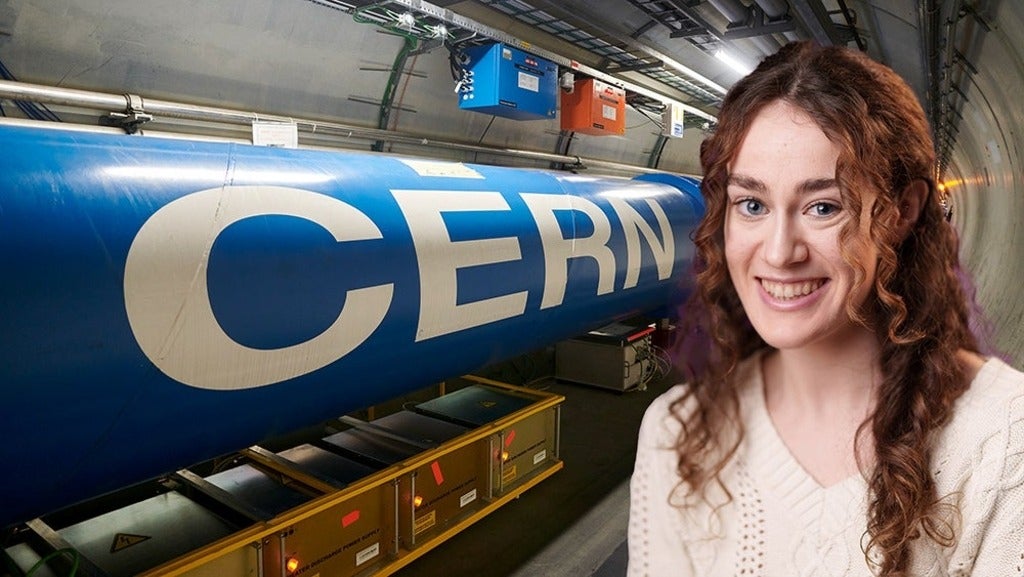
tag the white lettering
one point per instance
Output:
(168, 304)
(439, 258)
(633, 225)
(558, 249)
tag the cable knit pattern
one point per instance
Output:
(780, 522)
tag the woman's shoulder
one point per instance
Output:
(979, 467)
(987, 427)
(994, 399)
(661, 423)
(663, 417)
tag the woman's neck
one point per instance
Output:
(818, 399)
(826, 379)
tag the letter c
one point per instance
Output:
(168, 303)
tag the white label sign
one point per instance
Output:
(529, 82)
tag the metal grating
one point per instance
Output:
(681, 22)
(432, 25)
(617, 56)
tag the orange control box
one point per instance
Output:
(594, 107)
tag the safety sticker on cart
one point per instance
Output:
(540, 456)
(123, 541)
(508, 474)
(424, 522)
(367, 554)
(467, 498)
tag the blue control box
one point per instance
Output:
(508, 82)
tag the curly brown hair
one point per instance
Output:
(919, 311)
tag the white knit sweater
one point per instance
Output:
(781, 522)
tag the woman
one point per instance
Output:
(844, 422)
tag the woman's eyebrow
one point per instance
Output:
(746, 182)
(816, 185)
(805, 187)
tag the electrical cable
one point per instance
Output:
(67, 550)
(663, 359)
(484, 134)
(656, 122)
(30, 109)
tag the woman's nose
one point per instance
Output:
(785, 243)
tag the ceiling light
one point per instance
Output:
(733, 62)
(439, 31)
(406, 21)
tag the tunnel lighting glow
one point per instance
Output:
(291, 564)
(733, 62)
(417, 501)
(946, 186)
(504, 456)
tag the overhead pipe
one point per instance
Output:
(180, 111)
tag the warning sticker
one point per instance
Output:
(424, 522)
(467, 498)
(123, 541)
(508, 474)
(608, 112)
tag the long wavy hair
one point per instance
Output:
(918, 311)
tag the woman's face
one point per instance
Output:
(782, 233)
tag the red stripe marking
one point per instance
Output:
(350, 518)
(510, 437)
(436, 468)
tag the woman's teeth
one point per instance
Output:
(790, 290)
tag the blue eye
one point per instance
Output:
(824, 209)
(751, 207)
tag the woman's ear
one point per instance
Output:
(911, 202)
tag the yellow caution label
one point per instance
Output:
(508, 475)
(424, 522)
(123, 541)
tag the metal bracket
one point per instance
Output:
(959, 58)
(134, 115)
(758, 24)
(969, 10)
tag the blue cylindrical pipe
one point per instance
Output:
(167, 301)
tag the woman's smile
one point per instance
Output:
(785, 291)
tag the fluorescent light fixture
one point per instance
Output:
(406, 21)
(439, 31)
(733, 62)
